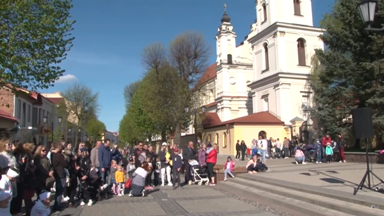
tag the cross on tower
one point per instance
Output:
(225, 7)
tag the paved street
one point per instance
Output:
(191, 200)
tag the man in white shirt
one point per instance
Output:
(279, 145)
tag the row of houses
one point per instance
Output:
(30, 116)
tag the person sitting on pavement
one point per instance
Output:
(138, 180)
(299, 156)
(42, 206)
(255, 165)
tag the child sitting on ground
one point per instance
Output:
(42, 206)
(229, 167)
(130, 168)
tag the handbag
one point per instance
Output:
(128, 183)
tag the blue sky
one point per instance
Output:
(110, 36)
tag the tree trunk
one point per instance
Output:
(178, 136)
(164, 135)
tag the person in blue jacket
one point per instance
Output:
(116, 154)
(105, 159)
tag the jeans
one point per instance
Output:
(176, 178)
(237, 154)
(104, 176)
(300, 159)
(227, 172)
(286, 152)
(137, 190)
(60, 185)
(188, 168)
(262, 152)
(318, 155)
(242, 154)
(278, 153)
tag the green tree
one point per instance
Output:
(34, 39)
(129, 131)
(349, 73)
(57, 135)
(95, 128)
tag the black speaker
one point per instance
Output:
(362, 123)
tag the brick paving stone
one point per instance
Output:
(212, 205)
(122, 209)
(197, 192)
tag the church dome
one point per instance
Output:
(225, 18)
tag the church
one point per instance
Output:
(260, 86)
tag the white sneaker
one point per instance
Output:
(66, 198)
(82, 203)
(120, 195)
(225, 179)
(340, 161)
(162, 185)
(304, 163)
(144, 193)
(90, 203)
(170, 184)
(320, 162)
(130, 195)
(317, 162)
(103, 187)
(296, 162)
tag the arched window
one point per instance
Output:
(266, 57)
(296, 7)
(301, 51)
(209, 138)
(224, 140)
(265, 12)
(217, 139)
(229, 58)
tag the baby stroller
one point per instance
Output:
(199, 174)
(310, 152)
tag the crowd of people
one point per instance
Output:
(81, 175)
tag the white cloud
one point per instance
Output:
(67, 78)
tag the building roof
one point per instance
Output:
(6, 115)
(211, 105)
(55, 100)
(34, 95)
(209, 74)
(260, 118)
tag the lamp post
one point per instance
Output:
(45, 119)
(60, 119)
(367, 10)
(69, 132)
(79, 130)
(195, 112)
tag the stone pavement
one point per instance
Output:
(191, 200)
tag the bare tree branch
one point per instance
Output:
(189, 53)
(154, 56)
(129, 91)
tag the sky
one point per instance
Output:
(110, 36)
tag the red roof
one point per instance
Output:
(211, 105)
(260, 118)
(6, 115)
(55, 100)
(211, 118)
(34, 95)
(209, 74)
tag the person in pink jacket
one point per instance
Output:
(229, 166)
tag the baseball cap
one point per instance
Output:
(164, 144)
(44, 195)
(175, 150)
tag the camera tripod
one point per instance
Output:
(367, 176)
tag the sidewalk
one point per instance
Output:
(335, 178)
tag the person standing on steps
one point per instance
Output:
(238, 149)
(176, 168)
(243, 148)
(188, 155)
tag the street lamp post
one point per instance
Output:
(45, 119)
(60, 119)
(367, 10)
(195, 112)
(70, 133)
(80, 135)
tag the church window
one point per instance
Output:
(266, 57)
(229, 57)
(301, 51)
(265, 104)
(264, 12)
(224, 140)
(296, 7)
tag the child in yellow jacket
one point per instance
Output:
(119, 178)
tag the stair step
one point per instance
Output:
(284, 201)
(312, 202)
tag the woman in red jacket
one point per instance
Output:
(211, 161)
